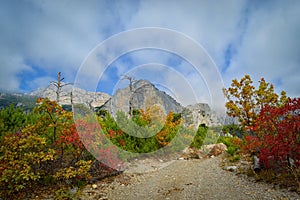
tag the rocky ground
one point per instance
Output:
(183, 179)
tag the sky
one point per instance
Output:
(232, 38)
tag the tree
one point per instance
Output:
(245, 101)
(59, 85)
(12, 119)
(278, 131)
(131, 81)
(132, 91)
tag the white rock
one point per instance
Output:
(231, 168)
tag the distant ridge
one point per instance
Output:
(80, 96)
(146, 94)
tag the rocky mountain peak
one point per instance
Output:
(142, 95)
(142, 83)
(79, 96)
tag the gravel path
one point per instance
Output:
(191, 179)
(182, 179)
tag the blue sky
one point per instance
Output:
(39, 38)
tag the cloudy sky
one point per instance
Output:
(39, 38)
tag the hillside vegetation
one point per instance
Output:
(48, 148)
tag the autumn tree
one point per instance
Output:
(244, 101)
(277, 136)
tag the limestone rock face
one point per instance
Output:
(80, 96)
(200, 113)
(142, 95)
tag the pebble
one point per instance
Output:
(230, 168)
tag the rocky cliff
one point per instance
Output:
(201, 113)
(79, 96)
(143, 94)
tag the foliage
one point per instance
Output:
(13, 119)
(232, 129)
(277, 143)
(200, 136)
(52, 119)
(90, 134)
(47, 150)
(64, 193)
(278, 128)
(143, 132)
(170, 129)
(233, 144)
(250, 145)
(245, 101)
(234, 157)
(80, 169)
(24, 160)
(212, 135)
(271, 128)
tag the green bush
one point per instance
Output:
(13, 119)
(231, 128)
(146, 134)
(232, 143)
(200, 136)
(225, 140)
(231, 150)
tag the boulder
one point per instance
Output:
(215, 149)
(190, 153)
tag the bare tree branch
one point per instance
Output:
(132, 91)
(59, 85)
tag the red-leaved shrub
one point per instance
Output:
(278, 129)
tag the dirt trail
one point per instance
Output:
(195, 179)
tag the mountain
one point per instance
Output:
(79, 96)
(27, 102)
(143, 94)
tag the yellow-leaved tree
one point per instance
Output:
(244, 101)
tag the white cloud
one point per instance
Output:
(14, 66)
(270, 46)
(214, 25)
(51, 35)
(259, 38)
